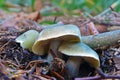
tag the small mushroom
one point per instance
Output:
(77, 52)
(27, 39)
(50, 34)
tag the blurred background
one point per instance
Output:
(58, 7)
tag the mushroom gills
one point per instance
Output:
(67, 33)
(82, 50)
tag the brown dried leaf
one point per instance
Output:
(92, 28)
(38, 5)
(101, 28)
(35, 16)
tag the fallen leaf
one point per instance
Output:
(38, 5)
(92, 28)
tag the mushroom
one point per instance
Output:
(64, 38)
(77, 52)
(51, 34)
(27, 39)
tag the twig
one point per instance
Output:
(57, 75)
(117, 52)
(5, 45)
(31, 71)
(17, 61)
(101, 76)
(40, 28)
(18, 73)
(113, 28)
(52, 53)
(97, 20)
(39, 77)
(35, 61)
(114, 49)
(3, 76)
(102, 40)
(111, 23)
(10, 62)
(107, 10)
(48, 77)
(55, 19)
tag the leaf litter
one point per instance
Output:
(21, 64)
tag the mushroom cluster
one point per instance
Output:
(65, 39)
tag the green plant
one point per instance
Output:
(2, 4)
(88, 6)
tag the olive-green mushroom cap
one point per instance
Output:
(27, 39)
(82, 50)
(70, 33)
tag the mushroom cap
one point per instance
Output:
(27, 39)
(61, 33)
(82, 50)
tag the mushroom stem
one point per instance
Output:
(77, 52)
(54, 45)
(73, 65)
(53, 50)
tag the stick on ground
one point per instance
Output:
(103, 39)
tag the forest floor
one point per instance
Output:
(17, 63)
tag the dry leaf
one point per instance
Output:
(92, 28)
(38, 5)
